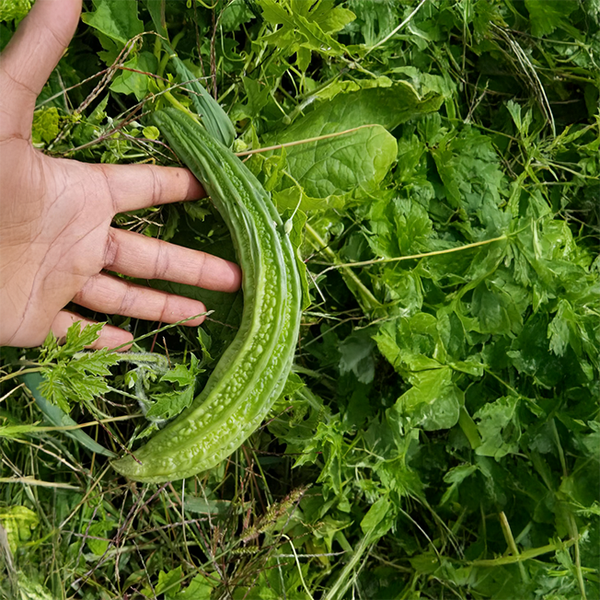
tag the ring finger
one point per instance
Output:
(143, 257)
(114, 296)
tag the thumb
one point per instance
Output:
(31, 55)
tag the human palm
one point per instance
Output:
(56, 240)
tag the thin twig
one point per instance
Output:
(364, 263)
(306, 141)
(397, 29)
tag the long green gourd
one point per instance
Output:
(250, 375)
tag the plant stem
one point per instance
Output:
(368, 302)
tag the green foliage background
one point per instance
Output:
(439, 437)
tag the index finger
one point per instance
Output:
(133, 187)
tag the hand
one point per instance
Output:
(56, 239)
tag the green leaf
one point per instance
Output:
(374, 18)
(166, 405)
(545, 16)
(59, 418)
(130, 82)
(385, 106)
(305, 24)
(334, 166)
(235, 14)
(45, 125)
(356, 355)
(433, 402)
(375, 515)
(400, 227)
(258, 96)
(169, 404)
(359, 159)
(454, 477)
(184, 374)
(499, 427)
(200, 588)
(473, 180)
(14, 9)
(169, 581)
(99, 529)
(18, 522)
(118, 19)
(412, 344)
(496, 309)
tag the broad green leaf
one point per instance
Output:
(496, 309)
(385, 106)
(473, 180)
(334, 166)
(358, 159)
(117, 19)
(412, 344)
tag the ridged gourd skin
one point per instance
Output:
(251, 373)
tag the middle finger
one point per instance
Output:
(137, 255)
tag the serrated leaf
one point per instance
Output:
(399, 227)
(170, 404)
(58, 417)
(184, 374)
(14, 9)
(77, 338)
(499, 427)
(45, 125)
(546, 16)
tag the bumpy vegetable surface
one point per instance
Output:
(251, 373)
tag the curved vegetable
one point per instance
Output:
(251, 373)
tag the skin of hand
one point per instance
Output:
(56, 238)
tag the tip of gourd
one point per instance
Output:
(136, 471)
